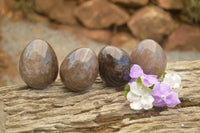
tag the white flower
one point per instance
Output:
(174, 81)
(140, 97)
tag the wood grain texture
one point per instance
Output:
(99, 109)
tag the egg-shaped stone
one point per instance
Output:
(38, 65)
(79, 69)
(114, 66)
(150, 56)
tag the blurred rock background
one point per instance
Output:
(68, 24)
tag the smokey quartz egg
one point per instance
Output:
(150, 56)
(38, 65)
(114, 66)
(79, 69)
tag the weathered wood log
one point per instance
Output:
(99, 109)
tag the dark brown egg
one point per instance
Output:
(38, 64)
(79, 69)
(150, 56)
(114, 66)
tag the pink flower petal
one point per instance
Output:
(172, 100)
(158, 102)
(136, 71)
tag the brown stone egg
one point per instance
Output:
(114, 66)
(79, 69)
(150, 56)
(38, 65)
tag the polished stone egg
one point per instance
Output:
(38, 65)
(114, 66)
(150, 56)
(79, 69)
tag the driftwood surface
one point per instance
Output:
(99, 109)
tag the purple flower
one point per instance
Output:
(163, 95)
(147, 80)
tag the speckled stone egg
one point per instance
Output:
(79, 69)
(114, 66)
(38, 65)
(150, 56)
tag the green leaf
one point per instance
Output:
(164, 74)
(139, 80)
(151, 87)
(126, 90)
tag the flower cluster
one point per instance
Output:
(145, 91)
